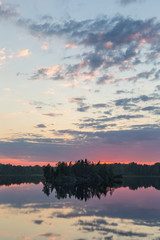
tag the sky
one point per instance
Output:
(79, 79)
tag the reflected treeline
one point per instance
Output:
(138, 182)
(79, 191)
(9, 180)
(87, 191)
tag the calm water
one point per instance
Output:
(27, 213)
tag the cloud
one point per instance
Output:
(95, 125)
(5, 54)
(40, 126)
(105, 78)
(40, 104)
(137, 144)
(94, 60)
(128, 101)
(45, 46)
(39, 222)
(70, 45)
(108, 238)
(53, 114)
(99, 105)
(157, 75)
(142, 126)
(48, 235)
(99, 41)
(7, 11)
(150, 108)
(24, 53)
(78, 100)
(142, 75)
(83, 108)
(55, 72)
(81, 239)
(101, 35)
(2, 51)
(115, 137)
(127, 2)
(7, 89)
(158, 88)
(100, 226)
(102, 122)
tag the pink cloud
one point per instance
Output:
(2, 51)
(108, 45)
(70, 45)
(7, 89)
(45, 46)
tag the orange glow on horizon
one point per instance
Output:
(24, 162)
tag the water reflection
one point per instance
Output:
(79, 191)
(138, 182)
(10, 180)
(87, 191)
(26, 213)
(132, 182)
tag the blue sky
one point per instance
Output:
(79, 79)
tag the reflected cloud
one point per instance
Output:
(148, 223)
(39, 222)
(108, 238)
(50, 236)
(100, 226)
(104, 218)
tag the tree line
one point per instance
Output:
(134, 169)
(9, 170)
(131, 169)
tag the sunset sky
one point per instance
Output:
(79, 79)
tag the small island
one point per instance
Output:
(82, 179)
(81, 171)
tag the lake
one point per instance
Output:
(26, 212)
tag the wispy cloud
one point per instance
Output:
(83, 108)
(101, 35)
(52, 114)
(41, 125)
(70, 45)
(45, 46)
(78, 100)
(39, 222)
(53, 73)
(127, 2)
(7, 11)
(7, 89)
(102, 122)
(99, 105)
(2, 51)
(137, 144)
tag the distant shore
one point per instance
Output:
(126, 170)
